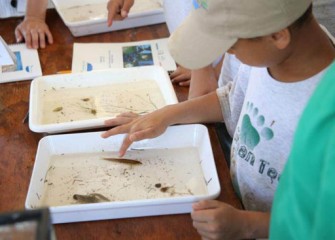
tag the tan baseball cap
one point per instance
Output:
(215, 25)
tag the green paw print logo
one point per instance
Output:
(251, 134)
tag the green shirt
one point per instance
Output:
(304, 203)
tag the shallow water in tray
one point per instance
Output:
(163, 173)
(96, 11)
(73, 104)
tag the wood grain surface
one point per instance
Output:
(18, 144)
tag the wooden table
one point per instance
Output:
(18, 144)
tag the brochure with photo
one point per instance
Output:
(96, 56)
(27, 65)
(8, 60)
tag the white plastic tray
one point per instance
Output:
(87, 17)
(176, 137)
(113, 78)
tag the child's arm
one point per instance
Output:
(33, 29)
(118, 9)
(203, 81)
(202, 109)
(218, 220)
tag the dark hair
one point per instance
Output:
(306, 17)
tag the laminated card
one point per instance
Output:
(26, 67)
(96, 56)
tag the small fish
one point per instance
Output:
(57, 109)
(165, 189)
(123, 160)
(90, 198)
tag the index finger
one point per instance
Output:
(125, 145)
(133, 136)
(116, 130)
(118, 9)
(113, 8)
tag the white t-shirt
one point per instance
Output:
(263, 114)
(175, 12)
(231, 92)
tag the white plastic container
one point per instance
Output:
(89, 98)
(104, 178)
(90, 16)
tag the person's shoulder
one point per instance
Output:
(235, 63)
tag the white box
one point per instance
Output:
(90, 16)
(177, 138)
(77, 101)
